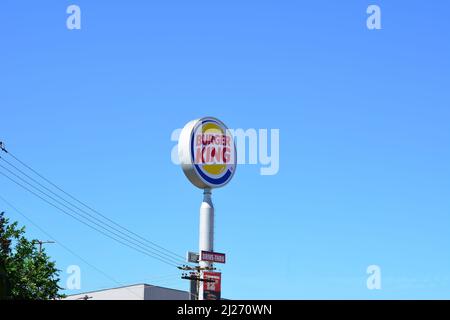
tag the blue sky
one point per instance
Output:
(364, 138)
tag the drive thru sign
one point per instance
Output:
(212, 256)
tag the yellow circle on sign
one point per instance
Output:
(213, 168)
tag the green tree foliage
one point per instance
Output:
(4, 285)
(30, 274)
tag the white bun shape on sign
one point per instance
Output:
(207, 153)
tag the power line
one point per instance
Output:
(87, 224)
(102, 223)
(88, 219)
(160, 251)
(87, 206)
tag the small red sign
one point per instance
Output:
(212, 256)
(211, 288)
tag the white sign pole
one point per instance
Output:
(207, 155)
(206, 234)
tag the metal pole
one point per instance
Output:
(193, 290)
(40, 242)
(206, 236)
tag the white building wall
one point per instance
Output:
(133, 292)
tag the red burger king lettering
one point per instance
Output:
(212, 149)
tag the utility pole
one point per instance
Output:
(195, 280)
(41, 242)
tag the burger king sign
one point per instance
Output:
(207, 153)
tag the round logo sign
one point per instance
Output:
(207, 153)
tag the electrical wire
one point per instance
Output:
(96, 221)
(87, 206)
(88, 219)
(87, 224)
(161, 252)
